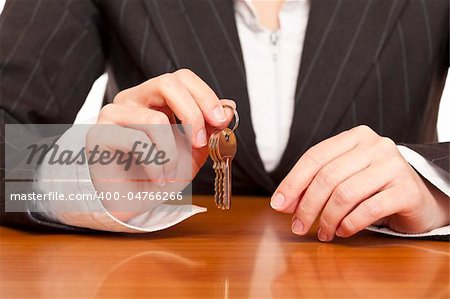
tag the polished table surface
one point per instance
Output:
(246, 252)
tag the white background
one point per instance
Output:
(93, 102)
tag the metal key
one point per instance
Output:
(226, 150)
(222, 148)
(216, 164)
(218, 168)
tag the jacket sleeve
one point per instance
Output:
(51, 52)
(437, 153)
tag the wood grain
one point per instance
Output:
(246, 252)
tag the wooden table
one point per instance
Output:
(246, 252)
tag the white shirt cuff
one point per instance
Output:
(93, 215)
(76, 179)
(442, 231)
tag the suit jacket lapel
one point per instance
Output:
(343, 40)
(201, 35)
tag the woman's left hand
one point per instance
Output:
(356, 179)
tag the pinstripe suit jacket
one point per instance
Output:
(377, 62)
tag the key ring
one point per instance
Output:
(236, 116)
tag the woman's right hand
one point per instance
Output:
(132, 116)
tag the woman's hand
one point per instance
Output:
(131, 118)
(356, 179)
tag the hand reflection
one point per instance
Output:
(151, 274)
(358, 272)
(93, 266)
(261, 262)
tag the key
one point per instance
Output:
(219, 173)
(212, 153)
(225, 151)
(222, 149)
(218, 185)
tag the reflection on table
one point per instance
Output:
(248, 251)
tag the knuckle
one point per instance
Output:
(167, 81)
(305, 210)
(387, 143)
(324, 222)
(105, 111)
(364, 129)
(137, 136)
(207, 97)
(120, 97)
(156, 118)
(311, 157)
(184, 72)
(343, 195)
(372, 209)
(194, 118)
(325, 176)
(289, 187)
(347, 226)
(93, 134)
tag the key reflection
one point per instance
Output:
(269, 263)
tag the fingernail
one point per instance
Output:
(201, 137)
(161, 181)
(219, 113)
(297, 227)
(339, 232)
(277, 201)
(322, 236)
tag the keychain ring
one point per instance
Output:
(236, 116)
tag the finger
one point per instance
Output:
(313, 160)
(229, 116)
(204, 96)
(148, 94)
(334, 173)
(291, 209)
(161, 91)
(325, 181)
(120, 141)
(348, 194)
(154, 123)
(168, 90)
(380, 205)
